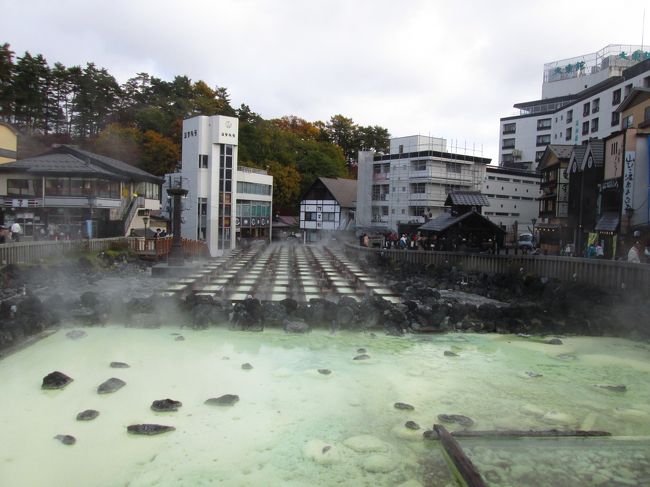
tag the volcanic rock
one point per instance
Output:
(324, 371)
(362, 357)
(296, 326)
(403, 406)
(412, 425)
(111, 385)
(66, 439)
(463, 421)
(119, 365)
(76, 334)
(613, 388)
(247, 366)
(56, 380)
(225, 400)
(361, 350)
(165, 405)
(553, 341)
(87, 415)
(149, 429)
(179, 338)
(449, 353)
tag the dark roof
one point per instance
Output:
(286, 222)
(343, 190)
(432, 153)
(608, 222)
(561, 151)
(596, 151)
(630, 99)
(577, 158)
(511, 171)
(446, 220)
(70, 161)
(466, 198)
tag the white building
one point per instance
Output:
(512, 194)
(224, 202)
(412, 182)
(328, 205)
(579, 100)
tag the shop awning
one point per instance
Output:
(608, 222)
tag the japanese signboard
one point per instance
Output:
(628, 180)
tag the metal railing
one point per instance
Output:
(606, 274)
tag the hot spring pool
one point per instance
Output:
(289, 413)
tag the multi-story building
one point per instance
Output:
(554, 200)
(69, 192)
(513, 199)
(8, 143)
(328, 205)
(224, 202)
(410, 184)
(579, 100)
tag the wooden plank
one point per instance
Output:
(466, 469)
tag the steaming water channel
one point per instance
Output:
(289, 413)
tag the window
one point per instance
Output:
(628, 90)
(569, 116)
(586, 109)
(569, 133)
(24, 187)
(646, 114)
(419, 165)
(543, 140)
(376, 169)
(585, 127)
(328, 217)
(595, 105)
(646, 82)
(594, 125)
(401, 149)
(417, 210)
(507, 158)
(544, 124)
(203, 161)
(418, 188)
(538, 155)
(508, 144)
(454, 167)
(57, 186)
(616, 118)
(509, 128)
(311, 216)
(628, 121)
(616, 97)
(250, 188)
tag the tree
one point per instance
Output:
(119, 142)
(6, 83)
(30, 87)
(286, 187)
(158, 154)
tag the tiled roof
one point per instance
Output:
(608, 222)
(596, 149)
(443, 222)
(467, 198)
(343, 190)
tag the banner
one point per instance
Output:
(628, 181)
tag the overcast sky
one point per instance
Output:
(444, 68)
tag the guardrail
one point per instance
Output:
(159, 248)
(28, 252)
(607, 274)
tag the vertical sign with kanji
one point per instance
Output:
(628, 181)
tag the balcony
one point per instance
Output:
(380, 197)
(420, 197)
(381, 176)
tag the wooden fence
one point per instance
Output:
(29, 252)
(607, 274)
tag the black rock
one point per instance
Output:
(66, 439)
(553, 341)
(87, 415)
(412, 425)
(532, 373)
(56, 380)
(179, 338)
(430, 435)
(225, 400)
(404, 406)
(111, 385)
(463, 421)
(450, 354)
(119, 365)
(149, 429)
(324, 371)
(76, 334)
(361, 350)
(613, 388)
(247, 366)
(362, 357)
(165, 405)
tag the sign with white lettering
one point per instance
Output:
(628, 181)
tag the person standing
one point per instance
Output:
(634, 255)
(16, 230)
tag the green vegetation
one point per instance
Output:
(140, 122)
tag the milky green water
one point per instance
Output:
(288, 413)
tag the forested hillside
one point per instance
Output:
(140, 122)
